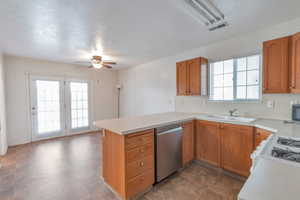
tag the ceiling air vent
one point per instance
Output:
(206, 12)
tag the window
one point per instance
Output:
(235, 79)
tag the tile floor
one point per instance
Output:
(69, 169)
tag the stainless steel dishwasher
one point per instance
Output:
(168, 150)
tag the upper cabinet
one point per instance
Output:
(282, 65)
(295, 67)
(192, 77)
(182, 82)
(276, 65)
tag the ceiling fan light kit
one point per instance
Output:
(98, 63)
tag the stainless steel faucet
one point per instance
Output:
(232, 111)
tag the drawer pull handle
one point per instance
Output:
(141, 164)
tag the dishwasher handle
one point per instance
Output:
(179, 129)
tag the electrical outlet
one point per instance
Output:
(271, 104)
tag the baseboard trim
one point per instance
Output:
(54, 138)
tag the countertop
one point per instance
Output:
(272, 180)
(129, 125)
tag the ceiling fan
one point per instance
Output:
(97, 63)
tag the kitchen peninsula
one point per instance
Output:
(223, 142)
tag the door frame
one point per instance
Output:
(32, 95)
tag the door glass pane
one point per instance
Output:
(48, 106)
(79, 105)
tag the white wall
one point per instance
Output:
(151, 87)
(3, 138)
(17, 70)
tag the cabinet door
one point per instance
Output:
(182, 78)
(295, 72)
(188, 142)
(276, 65)
(194, 71)
(208, 142)
(260, 135)
(236, 148)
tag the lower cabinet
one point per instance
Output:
(128, 162)
(188, 140)
(260, 135)
(236, 148)
(208, 142)
(225, 145)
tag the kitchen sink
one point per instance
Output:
(232, 118)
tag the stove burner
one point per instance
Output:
(289, 142)
(286, 154)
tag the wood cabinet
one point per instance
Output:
(192, 77)
(260, 135)
(236, 148)
(188, 141)
(295, 67)
(182, 78)
(128, 162)
(208, 142)
(276, 62)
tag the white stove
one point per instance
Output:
(280, 148)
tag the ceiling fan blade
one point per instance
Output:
(109, 62)
(82, 62)
(107, 66)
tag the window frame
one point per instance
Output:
(235, 99)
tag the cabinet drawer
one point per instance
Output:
(139, 152)
(139, 139)
(140, 183)
(138, 167)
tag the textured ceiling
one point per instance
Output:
(129, 32)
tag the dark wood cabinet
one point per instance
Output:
(236, 148)
(276, 62)
(188, 152)
(192, 77)
(295, 67)
(208, 142)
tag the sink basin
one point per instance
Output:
(232, 118)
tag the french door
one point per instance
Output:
(58, 107)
